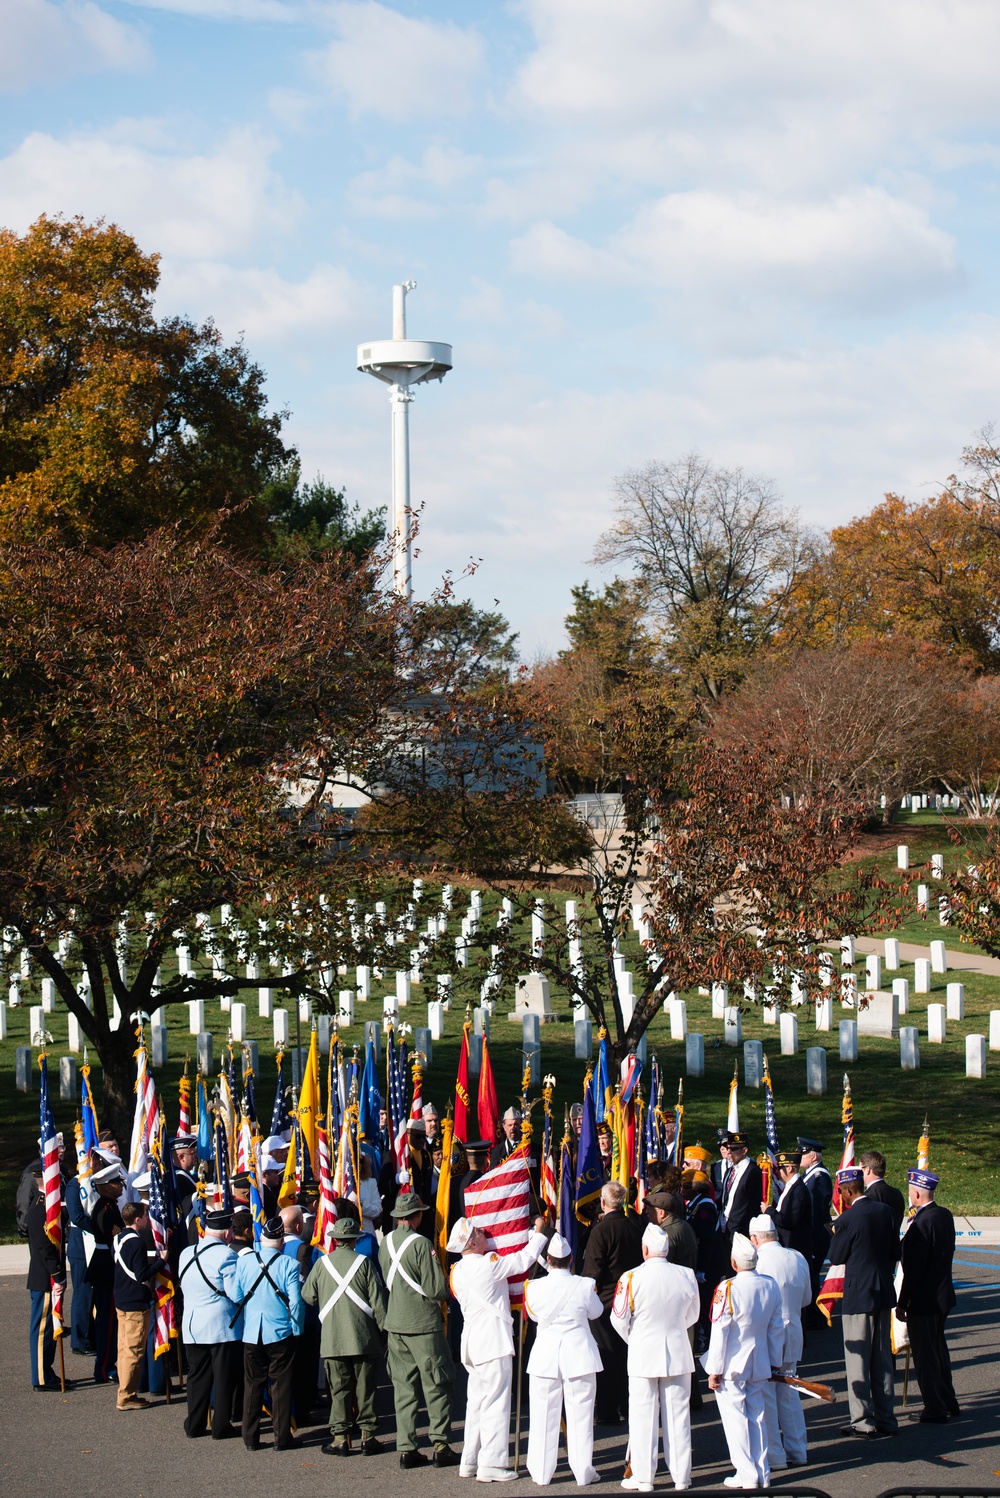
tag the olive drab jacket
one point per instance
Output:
(351, 1300)
(415, 1282)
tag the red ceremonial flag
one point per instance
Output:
(500, 1203)
(462, 1099)
(58, 1288)
(326, 1211)
(489, 1108)
(831, 1290)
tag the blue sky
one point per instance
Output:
(763, 229)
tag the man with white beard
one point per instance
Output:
(786, 1423)
(653, 1308)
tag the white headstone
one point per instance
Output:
(279, 1023)
(265, 1002)
(936, 1025)
(769, 1012)
(203, 1047)
(826, 969)
(848, 1029)
(733, 1026)
(824, 1014)
(583, 1040)
(435, 1019)
(238, 1022)
(816, 1071)
(720, 1000)
(403, 989)
(878, 1014)
(789, 1028)
(923, 897)
(196, 1016)
(901, 988)
(225, 1002)
(532, 997)
(975, 1056)
(461, 951)
(903, 856)
(694, 1055)
(363, 982)
(937, 865)
(48, 996)
(909, 1048)
(995, 1029)
(345, 1008)
(36, 1021)
(939, 957)
(678, 1020)
(922, 975)
(848, 991)
(891, 954)
(73, 1025)
(67, 1077)
(956, 1001)
(873, 971)
(753, 1063)
(944, 911)
(847, 951)
(305, 1010)
(444, 989)
(571, 912)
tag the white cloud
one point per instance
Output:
(227, 10)
(198, 205)
(380, 193)
(399, 67)
(261, 303)
(45, 41)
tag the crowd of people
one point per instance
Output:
(699, 1276)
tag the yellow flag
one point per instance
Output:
(309, 1109)
(621, 1144)
(443, 1199)
(287, 1194)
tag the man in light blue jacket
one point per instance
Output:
(206, 1272)
(268, 1290)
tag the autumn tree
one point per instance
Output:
(865, 719)
(113, 422)
(716, 556)
(968, 764)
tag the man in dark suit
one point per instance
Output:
(927, 1294)
(816, 1179)
(510, 1139)
(872, 1164)
(792, 1210)
(865, 1242)
(742, 1187)
(613, 1247)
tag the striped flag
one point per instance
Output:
(58, 1290)
(550, 1194)
(146, 1117)
(164, 1309)
(51, 1174)
(500, 1203)
(831, 1290)
(326, 1211)
(847, 1154)
(279, 1114)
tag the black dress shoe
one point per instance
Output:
(445, 1457)
(408, 1459)
(924, 1419)
(372, 1447)
(335, 1448)
(860, 1435)
(292, 1444)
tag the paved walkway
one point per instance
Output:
(958, 961)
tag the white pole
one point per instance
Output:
(402, 573)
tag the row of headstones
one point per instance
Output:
(909, 1054)
(926, 801)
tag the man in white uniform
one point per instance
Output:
(745, 1347)
(563, 1367)
(479, 1284)
(786, 1423)
(654, 1306)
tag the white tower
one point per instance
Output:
(402, 363)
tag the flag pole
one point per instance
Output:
(906, 1378)
(525, 1139)
(62, 1367)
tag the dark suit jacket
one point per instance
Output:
(927, 1251)
(794, 1219)
(881, 1191)
(614, 1245)
(502, 1149)
(865, 1242)
(744, 1202)
(44, 1259)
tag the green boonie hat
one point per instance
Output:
(346, 1227)
(408, 1204)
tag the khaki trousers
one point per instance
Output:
(133, 1329)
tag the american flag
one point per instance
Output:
(51, 1175)
(345, 1180)
(223, 1192)
(550, 1195)
(58, 1289)
(244, 1143)
(500, 1203)
(395, 1103)
(326, 1212)
(147, 1112)
(164, 1310)
(279, 1114)
(770, 1118)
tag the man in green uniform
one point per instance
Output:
(419, 1358)
(346, 1288)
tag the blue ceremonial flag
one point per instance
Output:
(370, 1098)
(589, 1169)
(222, 1166)
(770, 1120)
(566, 1221)
(280, 1121)
(603, 1088)
(88, 1115)
(204, 1123)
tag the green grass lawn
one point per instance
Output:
(926, 833)
(889, 1104)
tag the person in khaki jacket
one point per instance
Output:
(419, 1356)
(352, 1304)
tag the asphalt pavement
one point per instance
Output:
(79, 1445)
